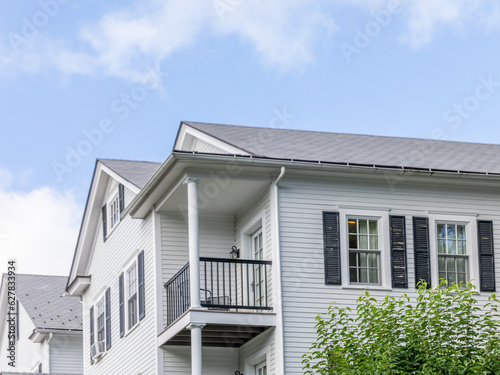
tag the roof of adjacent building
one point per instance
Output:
(370, 150)
(136, 172)
(42, 298)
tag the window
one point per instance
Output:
(452, 252)
(364, 253)
(101, 335)
(114, 212)
(261, 368)
(132, 296)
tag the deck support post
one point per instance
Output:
(196, 348)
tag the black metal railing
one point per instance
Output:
(178, 301)
(236, 284)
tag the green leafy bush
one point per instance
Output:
(443, 331)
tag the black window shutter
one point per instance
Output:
(140, 266)
(122, 306)
(421, 247)
(108, 318)
(121, 195)
(486, 255)
(398, 251)
(331, 238)
(104, 223)
(91, 332)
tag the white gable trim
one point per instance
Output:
(120, 179)
(187, 135)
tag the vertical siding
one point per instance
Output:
(301, 204)
(66, 354)
(137, 351)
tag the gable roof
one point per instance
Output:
(358, 149)
(136, 172)
(42, 298)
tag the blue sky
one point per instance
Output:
(68, 70)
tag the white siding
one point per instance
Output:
(301, 205)
(216, 361)
(66, 354)
(260, 342)
(28, 353)
(137, 351)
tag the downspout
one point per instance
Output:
(277, 265)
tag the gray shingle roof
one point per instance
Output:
(41, 297)
(358, 149)
(136, 172)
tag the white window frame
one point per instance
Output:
(382, 217)
(102, 298)
(252, 361)
(470, 223)
(111, 224)
(132, 264)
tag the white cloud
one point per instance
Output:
(38, 229)
(285, 34)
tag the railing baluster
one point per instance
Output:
(265, 286)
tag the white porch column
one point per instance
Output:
(194, 251)
(196, 354)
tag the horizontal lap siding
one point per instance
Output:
(301, 229)
(216, 361)
(66, 355)
(136, 352)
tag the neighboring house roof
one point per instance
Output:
(358, 149)
(136, 172)
(42, 298)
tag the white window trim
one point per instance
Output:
(382, 216)
(126, 291)
(255, 359)
(102, 297)
(470, 223)
(112, 227)
(256, 223)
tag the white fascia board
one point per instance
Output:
(184, 143)
(78, 286)
(89, 224)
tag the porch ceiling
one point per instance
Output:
(216, 195)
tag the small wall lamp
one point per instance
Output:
(235, 252)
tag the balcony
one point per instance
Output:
(235, 300)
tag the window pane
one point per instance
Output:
(363, 242)
(372, 260)
(373, 227)
(363, 275)
(461, 247)
(352, 226)
(452, 247)
(352, 259)
(441, 231)
(450, 264)
(451, 231)
(374, 276)
(451, 278)
(354, 275)
(373, 242)
(442, 246)
(353, 241)
(442, 266)
(363, 226)
(461, 232)
(461, 265)
(362, 258)
(461, 278)
(442, 275)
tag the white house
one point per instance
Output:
(218, 260)
(46, 330)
